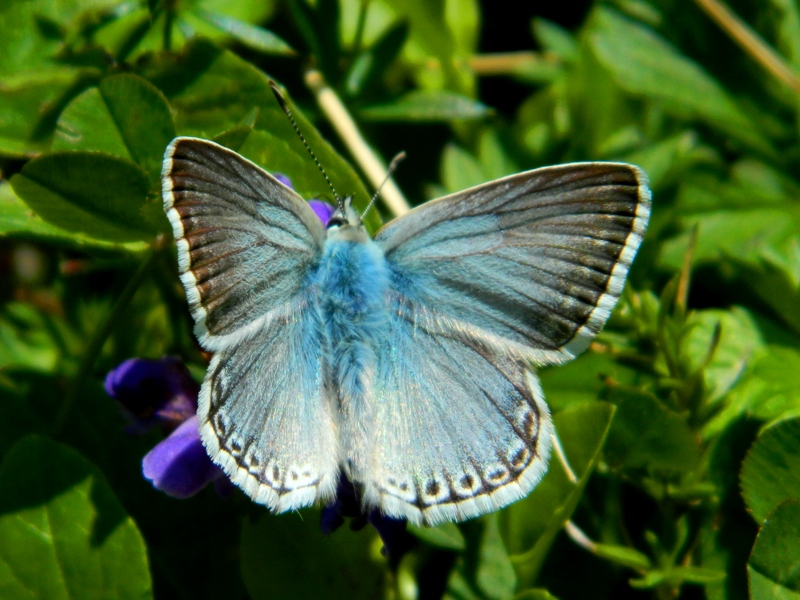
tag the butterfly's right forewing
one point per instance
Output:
(246, 246)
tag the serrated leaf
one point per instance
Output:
(427, 106)
(96, 194)
(63, 533)
(774, 565)
(771, 471)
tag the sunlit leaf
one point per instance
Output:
(63, 533)
(771, 472)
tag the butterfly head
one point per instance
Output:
(345, 224)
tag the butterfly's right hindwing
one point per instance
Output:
(245, 241)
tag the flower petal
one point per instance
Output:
(322, 209)
(179, 465)
(153, 391)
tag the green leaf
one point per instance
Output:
(484, 570)
(740, 341)
(460, 170)
(555, 39)
(369, 66)
(276, 550)
(774, 565)
(254, 37)
(125, 116)
(33, 32)
(535, 594)
(583, 379)
(431, 34)
(29, 108)
(768, 390)
(17, 220)
(531, 525)
(646, 434)
(676, 576)
(102, 196)
(212, 90)
(319, 25)
(447, 536)
(643, 63)
(26, 338)
(771, 472)
(427, 106)
(494, 156)
(623, 555)
(740, 234)
(665, 161)
(63, 533)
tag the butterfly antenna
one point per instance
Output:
(282, 101)
(392, 166)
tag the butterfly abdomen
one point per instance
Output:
(352, 280)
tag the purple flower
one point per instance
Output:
(284, 180)
(153, 392)
(322, 209)
(162, 391)
(179, 465)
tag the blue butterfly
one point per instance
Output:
(404, 362)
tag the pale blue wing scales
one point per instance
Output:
(246, 242)
(265, 412)
(459, 430)
(531, 263)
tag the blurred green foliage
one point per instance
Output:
(681, 423)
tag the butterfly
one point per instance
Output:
(404, 362)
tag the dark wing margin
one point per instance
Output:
(245, 241)
(532, 263)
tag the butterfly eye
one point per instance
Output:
(336, 222)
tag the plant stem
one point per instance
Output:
(372, 166)
(98, 340)
(751, 42)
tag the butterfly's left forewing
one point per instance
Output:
(484, 285)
